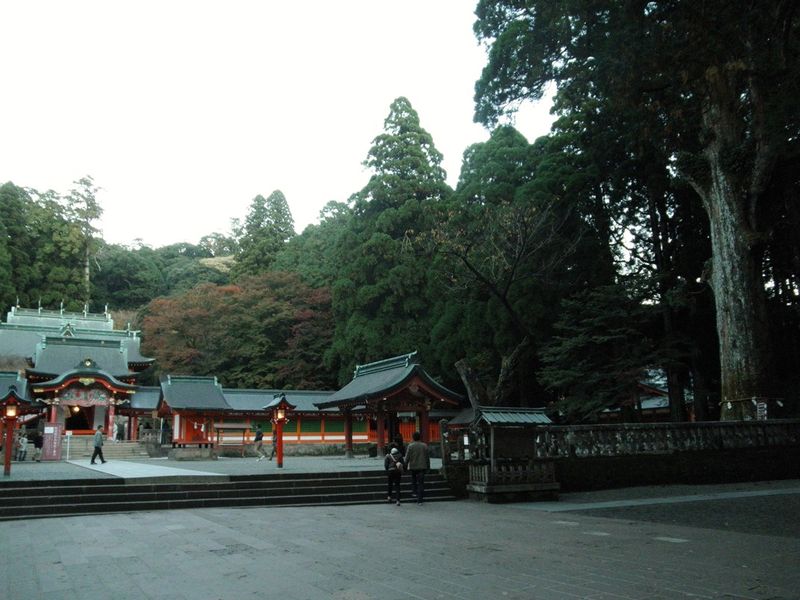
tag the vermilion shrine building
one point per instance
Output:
(75, 372)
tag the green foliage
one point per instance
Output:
(380, 291)
(266, 229)
(311, 255)
(127, 279)
(600, 351)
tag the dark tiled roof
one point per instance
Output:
(183, 392)
(500, 415)
(56, 355)
(48, 318)
(20, 340)
(256, 400)
(375, 380)
(146, 398)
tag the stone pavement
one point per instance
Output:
(654, 543)
(162, 467)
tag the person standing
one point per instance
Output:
(418, 460)
(393, 463)
(274, 444)
(22, 447)
(98, 445)
(259, 440)
(38, 442)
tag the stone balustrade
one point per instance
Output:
(630, 439)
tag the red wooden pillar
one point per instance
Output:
(134, 429)
(424, 429)
(8, 445)
(51, 416)
(279, 432)
(348, 433)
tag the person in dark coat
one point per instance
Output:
(393, 463)
(418, 461)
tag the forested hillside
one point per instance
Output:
(655, 228)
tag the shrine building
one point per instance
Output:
(74, 372)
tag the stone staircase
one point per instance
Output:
(82, 447)
(39, 499)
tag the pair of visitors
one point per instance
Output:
(22, 447)
(417, 460)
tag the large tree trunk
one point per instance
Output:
(740, 304)
(731, 191)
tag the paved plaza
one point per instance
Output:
(736, 541)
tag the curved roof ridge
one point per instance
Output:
(395, 362)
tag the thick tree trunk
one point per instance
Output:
(476, 392)
(739, 299)
(730, 195)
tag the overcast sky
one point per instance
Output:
(183, 111)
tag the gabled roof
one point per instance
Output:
(55, 355)
(382, 378)
(256, 400)
(499, 416)
(85, 369)
(185, 392)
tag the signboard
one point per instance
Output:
(761, 411)
(51, 441)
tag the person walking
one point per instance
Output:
(98, 445)
(393, 463)
(259, 440)
(418, 460)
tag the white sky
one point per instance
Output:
(183, 111)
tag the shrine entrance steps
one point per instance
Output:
(39, 499)
(81, 446)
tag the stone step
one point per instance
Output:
(49, 499)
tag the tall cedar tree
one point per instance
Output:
(267, 227)
(379, 295)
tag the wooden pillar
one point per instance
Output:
(51, 416)
(348, 433)
(110, 420)
(134, 428)
(424, 428)
(279, 433)
(8, 445)
(380, 417)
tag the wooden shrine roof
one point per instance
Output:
(256, 400)
(55, 355)
(376, 381)
(185, 392)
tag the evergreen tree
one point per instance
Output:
(267, 227)
(380, 296)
